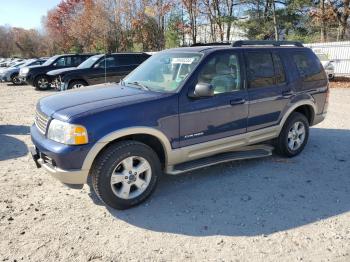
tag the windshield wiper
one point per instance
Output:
(136, 83)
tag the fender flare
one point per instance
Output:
(100, 144)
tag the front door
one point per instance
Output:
(225, 113)
(103, 71)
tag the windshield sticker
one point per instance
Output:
(182, 60)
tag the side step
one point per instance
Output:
(248, 152)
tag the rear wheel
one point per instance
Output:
(42, 83)
(76, 84)
(294, 135)
(15, 79)
(125, 174)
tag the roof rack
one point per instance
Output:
(265, 42)
(211, 44)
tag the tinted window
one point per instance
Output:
(308, 66)
(77, 60)
(223, 72)
(60, 62)
(260, 69)
(123, 60)
(106, 62)
(141, 58)
(279, 69)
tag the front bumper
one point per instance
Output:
(64, 162)
(27, 78)
(70, 177)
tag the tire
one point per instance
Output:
(77, 84)
(294, 135)
(15, 80)
(42, 83)
(124, 189)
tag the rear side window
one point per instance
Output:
(141, 58)
(77, 60)
(125, 60)
(279, 69)
(260, 69)
(308, 66)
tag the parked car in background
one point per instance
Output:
(36, 75)
(11, 74)
(180, 110)
(96, 70)
(328, 64)
(6, 72)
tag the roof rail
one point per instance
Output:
(211, 44)
(265, 42)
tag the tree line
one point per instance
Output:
(151, 25)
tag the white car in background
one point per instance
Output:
(328, 64)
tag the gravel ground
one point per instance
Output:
(270, 209)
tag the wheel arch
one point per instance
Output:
(76, 80)
(149, 136)
(305, 107)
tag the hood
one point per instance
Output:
(60, 71)
(92, 99)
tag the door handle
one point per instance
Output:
(287, 93)
(237, 101)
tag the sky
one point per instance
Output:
(25, 13)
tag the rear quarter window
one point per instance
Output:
(309, 67)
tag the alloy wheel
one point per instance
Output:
(131, 177)
(296, 136)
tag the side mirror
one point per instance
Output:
(203, 90)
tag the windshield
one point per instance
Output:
(50, 60)
(164, 72)
(89, 62)
(322, 57)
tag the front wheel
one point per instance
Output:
(294, 135)
(125, 174)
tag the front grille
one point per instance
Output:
(41, 121)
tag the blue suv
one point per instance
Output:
(180, 110)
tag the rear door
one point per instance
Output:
(268, 88)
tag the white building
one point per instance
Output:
(204, 35)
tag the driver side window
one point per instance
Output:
(222, 71)
(106, 63)
(60, 62)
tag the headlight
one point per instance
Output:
(67, 133)
(24, 70)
